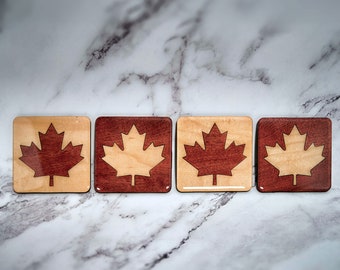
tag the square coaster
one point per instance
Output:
(51, 154)
(294, 154)
(133, 154)
(214, 154)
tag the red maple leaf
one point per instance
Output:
(214, 159)
(51, 159)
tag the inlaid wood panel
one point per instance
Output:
(294, 154)
(133, 154)
(51, 154)
(214, 154)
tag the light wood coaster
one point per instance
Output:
(214, 154)
(51, 154)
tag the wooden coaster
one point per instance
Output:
(214, 154)
(51, 154)
(294, 154)
(133, 154)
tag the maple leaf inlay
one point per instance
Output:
(133, 159)
(295, 160)
(215, 158)
(51, 160)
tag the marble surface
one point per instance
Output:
(169, 58)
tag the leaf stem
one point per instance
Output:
(294, 180)
(51, 181)
(133, 180)
(214, 179)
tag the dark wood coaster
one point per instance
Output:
(133, 154)
(294, 154)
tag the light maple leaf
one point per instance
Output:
(133, 159)
(295, 160)
(51, 160)
(215, 158)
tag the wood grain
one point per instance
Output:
(51, 154)
(140, 161)
(214, 154)
(294, 154)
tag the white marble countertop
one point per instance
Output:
(169, 58)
